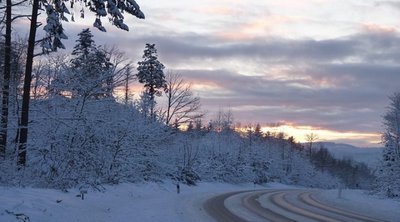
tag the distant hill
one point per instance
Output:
(369, 156)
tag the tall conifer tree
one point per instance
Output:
(151, 74)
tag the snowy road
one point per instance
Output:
(278, 205)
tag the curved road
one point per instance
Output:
(277, 205)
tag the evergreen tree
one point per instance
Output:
(258, 131)
(85, 44)
(151, 74)
(91, 70)
(388, 180)
(144, 103)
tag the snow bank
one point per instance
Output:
(149, 202)
(124, 202)
(359, 201)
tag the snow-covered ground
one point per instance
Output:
(359, 201)
(146, 202)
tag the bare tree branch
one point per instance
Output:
(15, 4)
(182, 105)
(311, 138)
(20, 16)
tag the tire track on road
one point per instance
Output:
(306, 197)
(216, 208)
(277, 205)
(279, 200)
(251, 203)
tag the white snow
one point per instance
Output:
(145, 202)
(124, 202)
(360, 201)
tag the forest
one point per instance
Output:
(81, 133)
(70, 120)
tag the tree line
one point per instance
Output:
(84, 134)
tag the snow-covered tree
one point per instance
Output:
(7, 9)
(10, 79)
(56, 10)
(144, 104)
(392, 123)
(388, 180)
(223, 121)
(90, 69)
(151, 74)
(6, 80)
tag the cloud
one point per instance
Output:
(337, 84)
(392, 4)
(260, 26)
(256, 99)
(377, 28)
(268, 49)
(220, 10)
(175, 48)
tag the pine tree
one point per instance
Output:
(388, 180)
(151, 74)
(144, 103)
(91, 70)
(258, 131)
(85, 44)
(392, 123)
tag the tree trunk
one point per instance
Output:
(23, 136)
(152, 98)
(127, 86)
(6, 83)
(169, 106)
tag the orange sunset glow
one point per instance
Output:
(300, 132)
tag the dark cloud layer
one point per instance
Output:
(360, 70)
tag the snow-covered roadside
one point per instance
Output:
(124, 202)
(147, 202)
(359, 201)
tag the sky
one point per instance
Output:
(320, 66)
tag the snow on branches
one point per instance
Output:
(56, 10)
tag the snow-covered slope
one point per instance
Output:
(369, 156)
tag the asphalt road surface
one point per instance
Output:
(278, 205)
